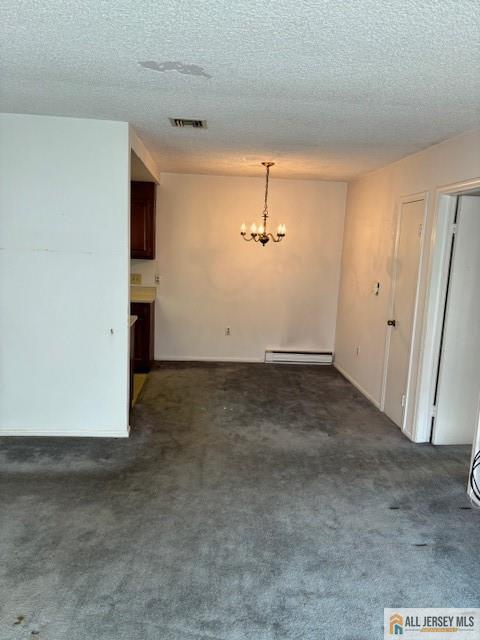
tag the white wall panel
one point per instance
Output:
(64, 276)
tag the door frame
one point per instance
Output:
(405, 426)
(435, 293)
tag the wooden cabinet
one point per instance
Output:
(144, 335)
(142, 220)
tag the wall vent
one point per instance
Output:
(299, 357)
(188, 122)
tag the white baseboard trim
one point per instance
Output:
(357, 385)
(75, 432)
(205, 359)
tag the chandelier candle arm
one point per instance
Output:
(260, 233)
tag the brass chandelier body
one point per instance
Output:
(260, 233)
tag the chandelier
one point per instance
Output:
(260, 234)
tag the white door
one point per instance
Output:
(406, 263)
(459, 373)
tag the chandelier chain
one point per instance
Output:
(265, 207)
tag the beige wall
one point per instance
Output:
(282, 295)
(368, 244)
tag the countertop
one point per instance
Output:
(143, 294)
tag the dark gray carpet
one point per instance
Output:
(253, 502)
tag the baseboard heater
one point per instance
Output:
(299, 357)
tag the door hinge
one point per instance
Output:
(454, 228)
(403, 400)
(434, 411)
(420, 230)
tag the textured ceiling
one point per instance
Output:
(327, 89)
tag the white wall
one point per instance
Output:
(282, 295)
(148, 166)
(64, 202)
(368, 247)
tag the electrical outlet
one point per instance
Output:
(357, 350)
(157, 279)
(135, 278)
(227, 331)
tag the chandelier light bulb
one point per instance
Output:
(253, 228)
(243, 229)
(261, 229)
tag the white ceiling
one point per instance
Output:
(327, 89)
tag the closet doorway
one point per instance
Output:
(457, 387)
(403, 307)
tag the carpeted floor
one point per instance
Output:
(252, 502)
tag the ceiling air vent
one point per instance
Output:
(188, 122)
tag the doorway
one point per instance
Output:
(406, 265)
(458, 372)
(428, 378)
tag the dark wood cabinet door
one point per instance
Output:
(144, 335)
(142, 220)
